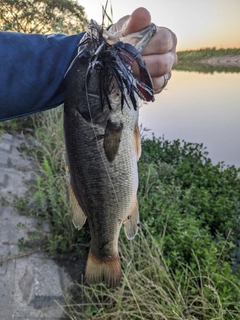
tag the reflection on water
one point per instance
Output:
(201, 108)
(206, 68)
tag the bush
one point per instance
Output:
(189, 205)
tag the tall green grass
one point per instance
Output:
(150, 290)
(179, 266)
(49, 196)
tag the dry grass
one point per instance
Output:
(150, 291)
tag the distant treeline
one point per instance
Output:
(205, 68)
(195, 60)
(205, 53)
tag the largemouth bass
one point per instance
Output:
(103, 144)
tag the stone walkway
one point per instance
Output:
(31, 286)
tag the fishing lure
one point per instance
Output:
(114, 61)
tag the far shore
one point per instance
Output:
(225, 61)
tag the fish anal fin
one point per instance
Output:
(131, 223)
(137, 142)
(112, 138)
(106, 270)
(78, 216)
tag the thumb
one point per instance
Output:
(139, 19)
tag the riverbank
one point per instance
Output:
(211, 57)
(224, 61)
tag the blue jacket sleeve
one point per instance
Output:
(32, 68)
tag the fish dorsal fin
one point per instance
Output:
(112, 138)
(131, 223)
(78, 216)
(137, 142)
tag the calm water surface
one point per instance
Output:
(202, 108)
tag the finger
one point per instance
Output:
(139, 19)
(157, 65)
(119, 25)
(160, 83)
(162, 42)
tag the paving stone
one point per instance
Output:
(4, 160)
(7, 291)
(4, 234)
(31, 287)
(46, 287)
(15, 185)
(3, 266)
(4, 243)
(7, 137)
(6, 147)
(3, 179)
(38, 288)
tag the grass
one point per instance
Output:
(150, 290)
(50, 193)
(179, 266)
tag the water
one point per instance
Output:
(201, 108)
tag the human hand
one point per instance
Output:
(160, 52)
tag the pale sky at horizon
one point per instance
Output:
(197, 23)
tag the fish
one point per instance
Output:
(103, 143)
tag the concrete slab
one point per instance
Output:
(4, 160)
(7, 137)
(31, 286)
(38, 288)
(6, 147)
(3, 179)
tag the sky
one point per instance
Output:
(197, 23)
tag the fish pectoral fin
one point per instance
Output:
(137, 142)
(78, 216)
(112, 138)
(131, 223)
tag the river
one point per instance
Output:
(199, 108)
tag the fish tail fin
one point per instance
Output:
(106, 270)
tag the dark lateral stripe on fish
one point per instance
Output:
(106, 270)
(112, 139)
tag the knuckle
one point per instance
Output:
(168, 39)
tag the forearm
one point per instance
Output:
(32, 68)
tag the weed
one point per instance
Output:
(21, 225)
